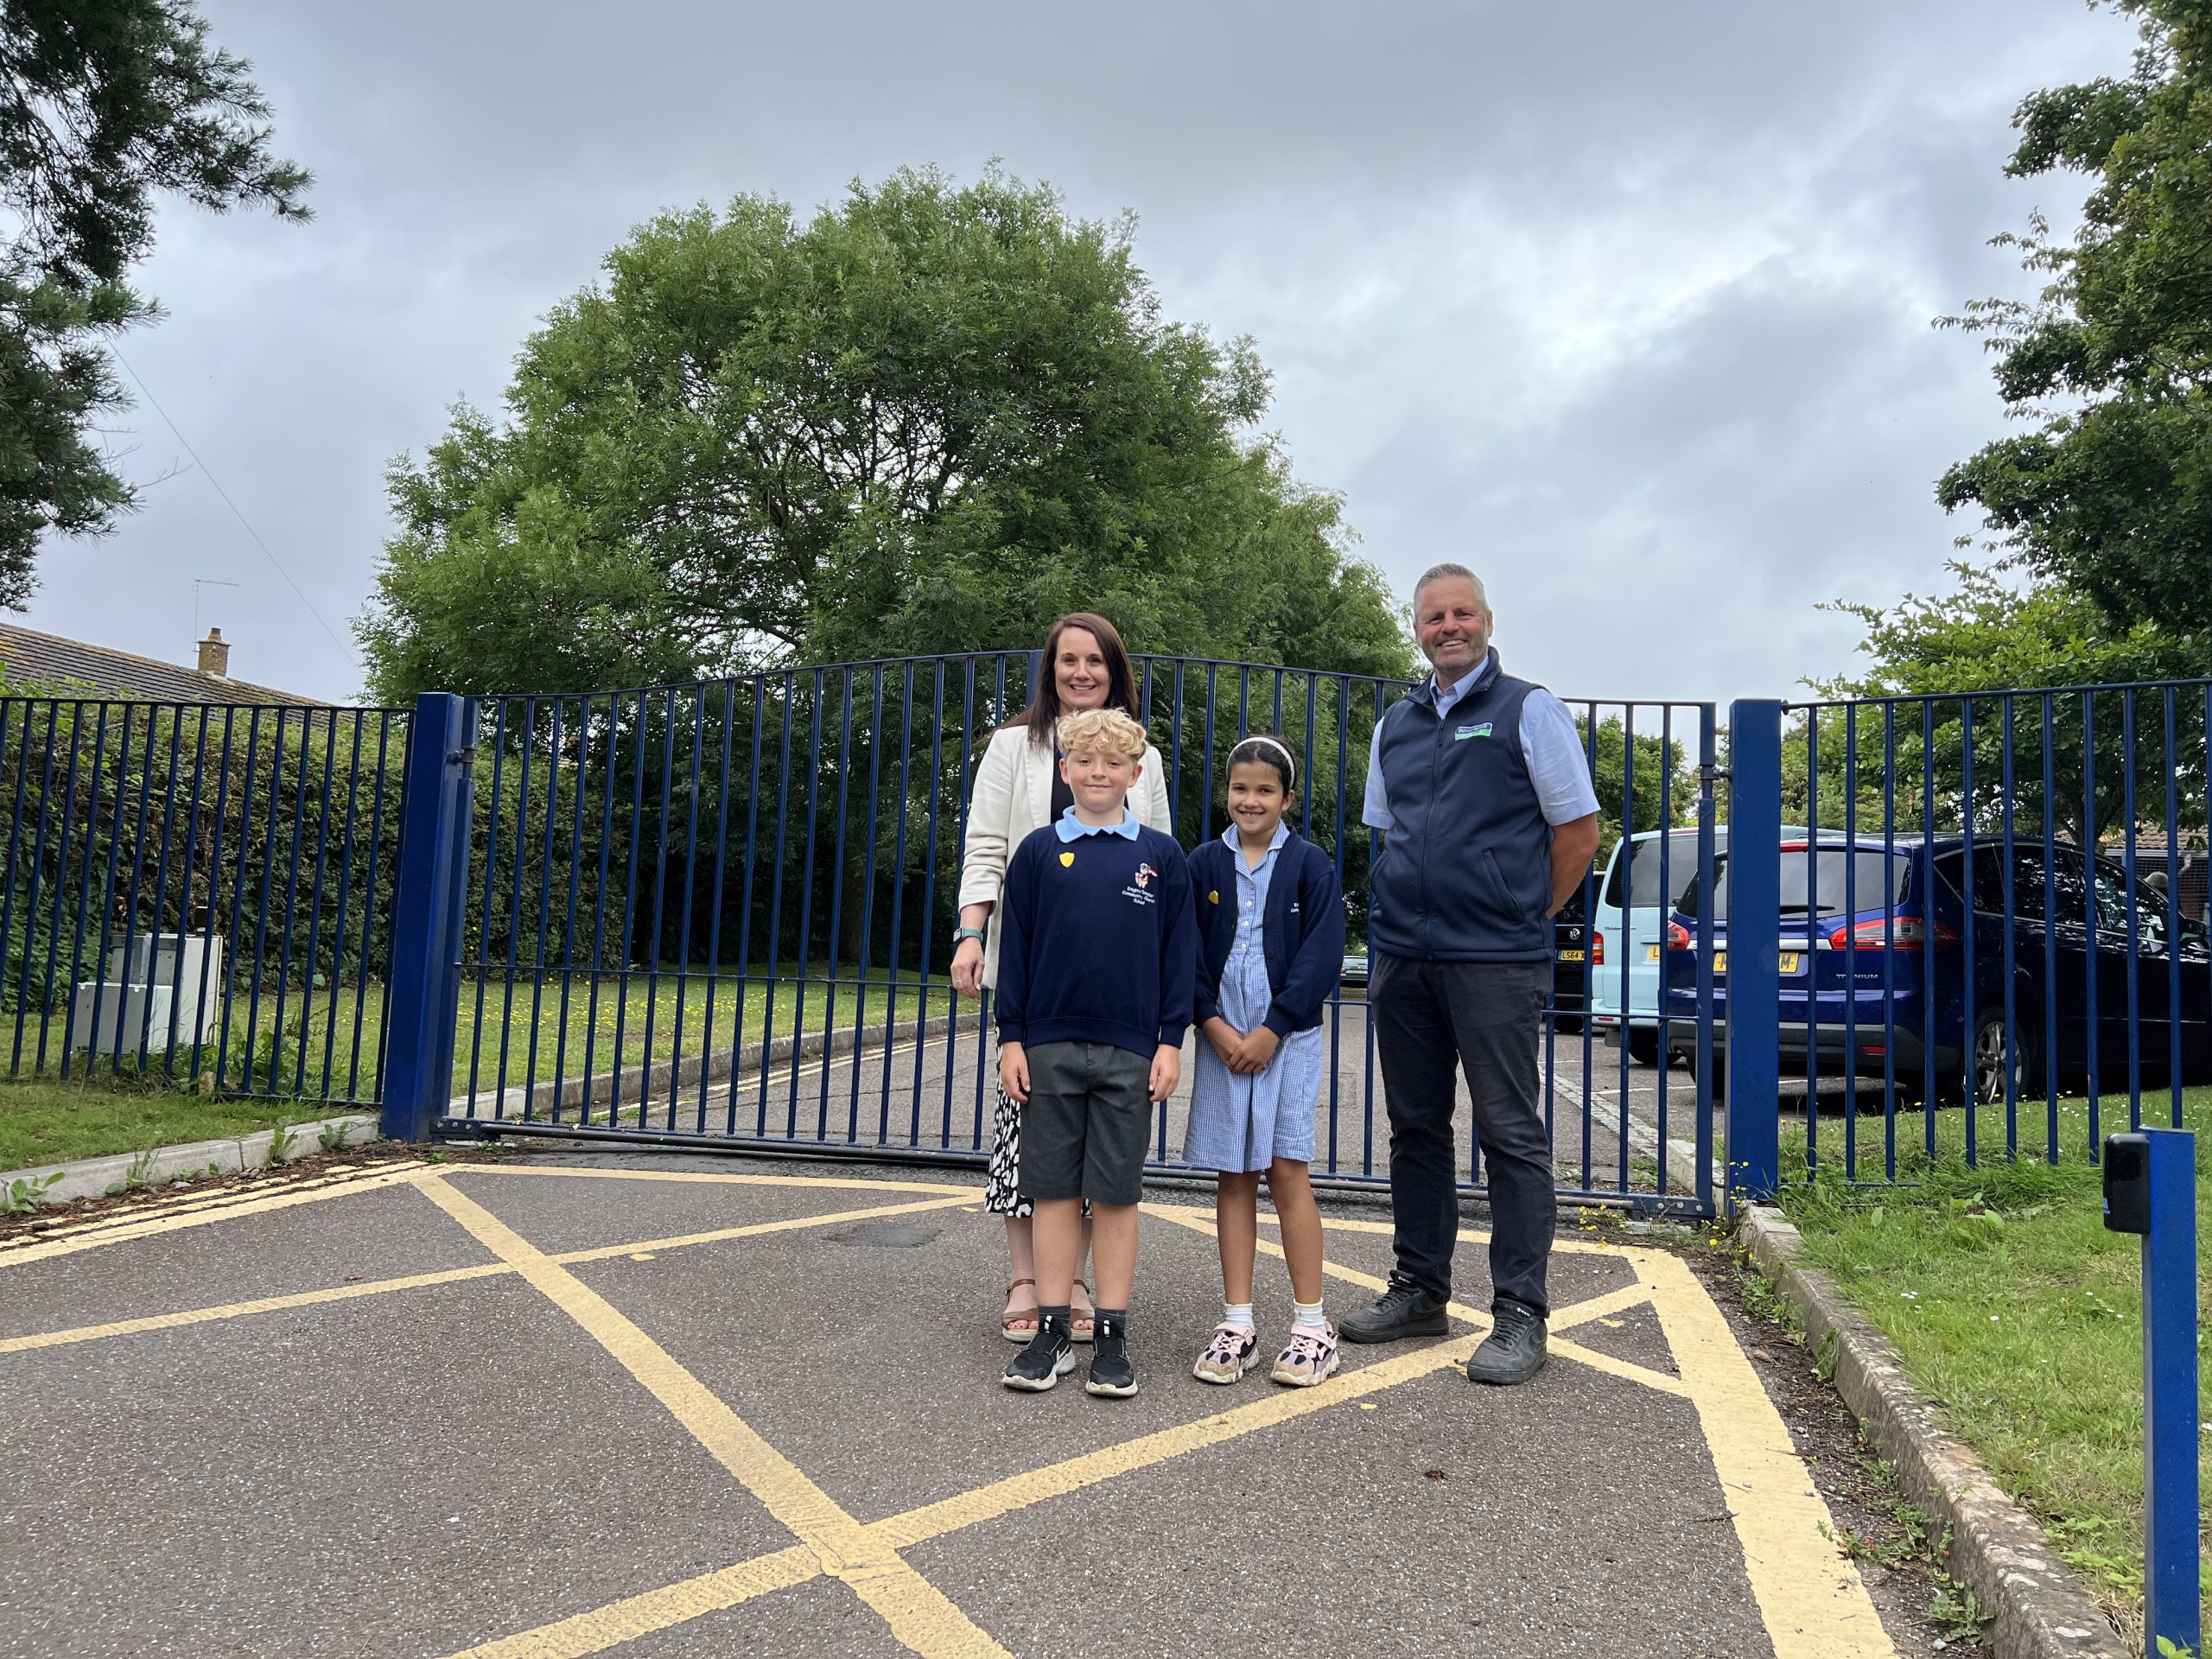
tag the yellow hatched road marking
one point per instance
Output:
(656, 1610)
(1467, 1234)
(920, 1615)
(47, 1249)
(171, 1201)
(1809, 1594)
(622, 1621)
(1811, 1598)
(451, 1276)
(1200, 1220)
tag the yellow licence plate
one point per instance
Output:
(1570, 956)
(1651, 953)
(1720, 961)
(1788, 962)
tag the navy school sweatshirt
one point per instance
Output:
(1302, 934)
(1099, 944)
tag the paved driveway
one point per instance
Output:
(567, 1404)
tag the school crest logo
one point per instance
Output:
(1145, 872)
(1482, 730)
(1067, 861)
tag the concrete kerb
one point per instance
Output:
(92, 1178)
(2042, 1611)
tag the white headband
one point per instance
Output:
(1289, 759)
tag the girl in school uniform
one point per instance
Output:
(1271, 926)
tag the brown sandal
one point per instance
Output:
(1083, 1324)
(1018, 1327)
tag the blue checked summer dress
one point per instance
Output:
(1243, 1123)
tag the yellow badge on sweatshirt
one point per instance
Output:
(1214, 898)
(1067, 859)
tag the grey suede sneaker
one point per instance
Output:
(1514, 1350)
(1405, 1310)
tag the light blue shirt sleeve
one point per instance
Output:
(1551, 745)
(1375, 813)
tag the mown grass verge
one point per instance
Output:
(2015, 1309)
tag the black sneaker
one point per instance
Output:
(1405, 1310)
(1514, 1352)
(1049, 1357)
(1111, 1374)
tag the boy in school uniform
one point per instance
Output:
(1095, 969)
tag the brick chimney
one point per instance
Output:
(214, 655)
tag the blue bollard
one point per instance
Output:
(2150, 1189)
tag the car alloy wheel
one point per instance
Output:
(1995, 1055)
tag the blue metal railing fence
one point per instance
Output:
(199, 895)
(722, 911)
(2002, 916)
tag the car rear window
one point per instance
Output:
(1638, 874)
(1816, 883)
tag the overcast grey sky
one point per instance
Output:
(1626, 305)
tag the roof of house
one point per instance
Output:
(49, 660)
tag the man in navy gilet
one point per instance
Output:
(1478, 783)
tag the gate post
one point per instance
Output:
(426, 914)
(1754, 1068)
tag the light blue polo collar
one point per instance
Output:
(1228, 839)
(1068, 827)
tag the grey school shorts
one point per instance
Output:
(1084, 1129)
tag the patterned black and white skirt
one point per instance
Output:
(1002, 1187)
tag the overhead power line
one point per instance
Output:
(206, 473)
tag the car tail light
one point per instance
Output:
(1597, 948)
(1893, 933)
(1678, 936)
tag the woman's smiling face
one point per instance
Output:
(1079, 672)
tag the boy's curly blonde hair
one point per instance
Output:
(1101, 729)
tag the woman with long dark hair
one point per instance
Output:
(1019, 788)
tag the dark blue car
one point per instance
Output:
(1883, 958)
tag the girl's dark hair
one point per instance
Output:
(1266, 749)
(1044, 711)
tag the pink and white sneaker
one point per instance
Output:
(1231, 1351)
(1310, 1358)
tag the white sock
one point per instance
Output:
(1237, 1313)
(1307, 1317)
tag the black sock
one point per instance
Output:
(1111, 1329)
(1054, 1325)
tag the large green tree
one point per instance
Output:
(1942, 665)
(2111, 493)
(927, 419)
(105, 106)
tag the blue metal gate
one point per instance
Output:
(721, 912)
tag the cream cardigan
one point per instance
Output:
(1013, 795)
